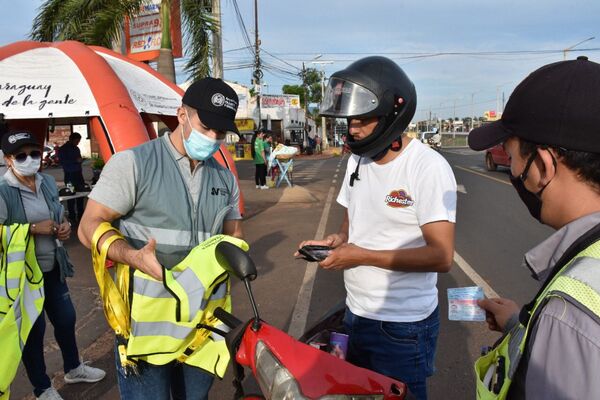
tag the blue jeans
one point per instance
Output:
(61, 313)
(401, 350)
(159, 382)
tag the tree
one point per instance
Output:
(99, 23)
(312, 80)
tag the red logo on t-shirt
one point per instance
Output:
(399, 199)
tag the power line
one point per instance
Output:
(242, 25)
(435, 54)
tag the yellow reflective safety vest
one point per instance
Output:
(577, 280)
(161, 321)
(21, 298)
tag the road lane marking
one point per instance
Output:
(480, 174)
(300, 313)
(474, 276)
(461, 189)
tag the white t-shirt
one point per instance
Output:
(386, 209)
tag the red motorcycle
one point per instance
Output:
(285, 368)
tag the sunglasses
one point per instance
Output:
(35, 154)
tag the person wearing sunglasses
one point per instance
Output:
(30, 197)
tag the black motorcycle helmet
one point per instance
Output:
(371, 87)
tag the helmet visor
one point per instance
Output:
(344, 99)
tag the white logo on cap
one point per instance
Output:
(218, 100)
(12, 139)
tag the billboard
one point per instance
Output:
(491, 115)
(280, 100)
(143, 34)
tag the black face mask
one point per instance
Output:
(533, 201)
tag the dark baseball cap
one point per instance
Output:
(215, 101)
(14, 140)
(557, 104)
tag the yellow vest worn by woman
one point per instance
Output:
(21, 298)
(159, 322)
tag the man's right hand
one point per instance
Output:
(145, 260)
(498, 312)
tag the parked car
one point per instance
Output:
(495, 156)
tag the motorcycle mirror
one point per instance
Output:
(239, 262)
(241, 265)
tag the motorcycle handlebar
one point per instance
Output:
(227, 318)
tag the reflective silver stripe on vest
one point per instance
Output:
(148, 288)
(171, 237)
(140, 329)
(514, 354)
(15, 256)
(29, 298)
(585, 270)
(8, 235)
(16, 306)
(193, 288)
(13, 283)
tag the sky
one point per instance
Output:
(494, 44)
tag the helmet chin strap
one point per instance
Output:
(396, 145)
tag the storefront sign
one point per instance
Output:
(244, 125)
(284, 100)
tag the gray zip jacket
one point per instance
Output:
(563, 350)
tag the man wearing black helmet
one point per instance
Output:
(398, 232)
(551, 131)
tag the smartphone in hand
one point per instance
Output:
(314, 253)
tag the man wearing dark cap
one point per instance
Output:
(166, 196)
(550, 348)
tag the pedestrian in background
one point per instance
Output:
(30, 197)
(69, 157)
(398, 229)
(260, 159)
(550, 129)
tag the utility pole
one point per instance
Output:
(429, 121)
(305, 98)
(257, 71)
(323, 120)
(217, 52)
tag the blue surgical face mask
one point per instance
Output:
(199, 146)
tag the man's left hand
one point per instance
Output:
(345, 256)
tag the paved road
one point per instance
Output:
(493, 231)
